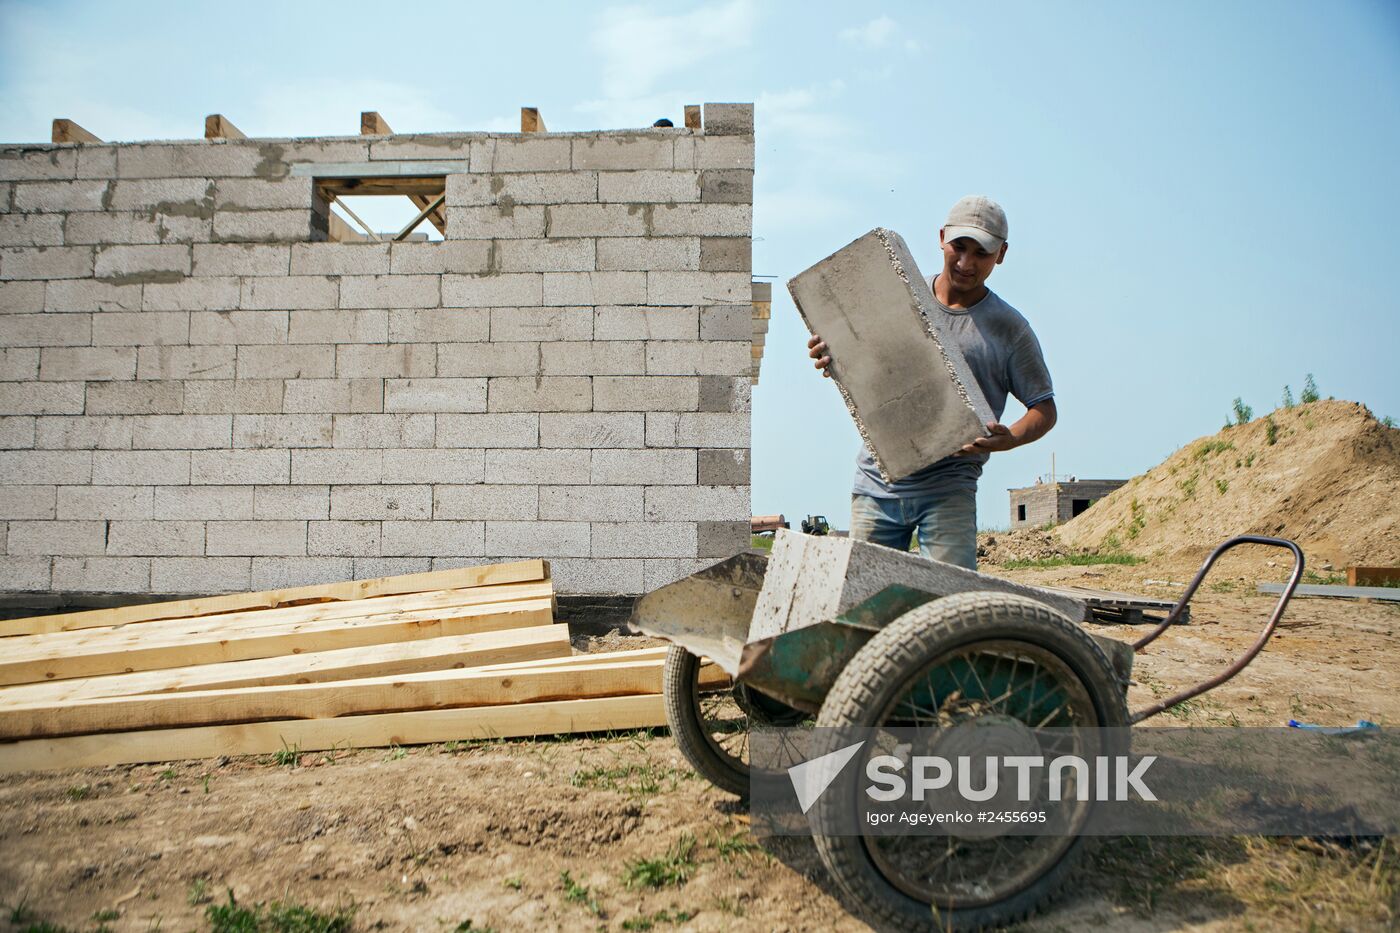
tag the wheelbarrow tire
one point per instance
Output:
(872, 681)
(680, 687)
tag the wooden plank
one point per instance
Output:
(338, 231)
(428, 690)
(531, 121)
(218, 126)
(502, 648)
(1372, 576)
(692, 116)
(456, 578)
(372, 124)
(427, 185)
(1391, 593)
(415, 728)
(583, 660)
(66, 131)
(324, 635)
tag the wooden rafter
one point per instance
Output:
(692, 116)
(373, 124)
(218, 126)
(66, 131)
(531, 121)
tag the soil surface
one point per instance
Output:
(430, 838)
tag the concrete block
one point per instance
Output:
(437, 258)
(339, 326)
(360, 361)
(124, 265)
(221, 259)
(46, 262)
(199, 160)
(95, 161)
(726, 254)
(84, 295)
(561, 255)
(141, 467)
(289, 293)
(728, 119)
(253, 539)
(189, 197)
(435, 395)
(140, 328)
(624, 153)
(38, 162)
(275, 573)
(541, 393)
(648, 187)
(592, 429)
(28, 538)
(537, 538)
(432, 539)
(240, 396)
(297, 152)
(645, 393)
(698, 503)
(482, 502)
(724, 467)
(595, 220)
(59, 197)
(135, 398)
(911, 393)
(46, 330)
(593, 358)
(439, 325)
(501, 222)
(155, 539)
(296, 226)
(239, 467)
(282, 431)
(722, 539)
(36, 230)
(340, 258)
(595, 288)
(642, 254)
(238, 328)
(488, 359)
(191, 294)
(643, 467)
(726, 186)
(661, 428)
(721, 152)
(27, 297)
(697, 288)
(726, 322)
(657, 573)
(591, 503)
(643, 323)
(296, 501)
(342, 539)
(390, 291)
(68, 364)
(728, 220)
(644, 539)
(482, 431)
(214, 574)
(25, 574)
(286, 362)
(383, 431)
(131, 227)
(340, 396)
(102, 574)
(204, 503)
(180, 432)
(372, 568)
(540, 324)
(601, 577)
(713, 429)
(683, 358)
(17, 432)
(433, 466)
(256, 194)
(535, 467)
(493, 290)
(522, 188)
(724, 393)
(186, 363)
(336, 467)
(521, 154)
(435, 147)
(101, 502)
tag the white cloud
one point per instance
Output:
(641, 47)
(873, 35)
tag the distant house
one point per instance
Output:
(1057, 501)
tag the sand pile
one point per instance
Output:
(1326, 474)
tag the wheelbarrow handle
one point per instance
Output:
(1243, 660)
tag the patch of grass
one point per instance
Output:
(1183, 710)
(1243, 413)
(649, 921)
(206, 783)
(514, 882)
(1139, 519)
(1310, 393)
(1249, 460)
(198, 894)
(288, 756)
(396, 753)
(1223, 586)
(79, 792)
(576, 893)
(167, 775)
(1221, 485)
(1388, 421)
(1211, 447)
(1287, 396)
(1270, 431)
(277, 917)
(1323, 579)
(672, 869)
(1075, 560)
(636, 779)
(732, 847)
(762, 542)
(1188, 485)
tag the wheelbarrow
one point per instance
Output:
(845, 634)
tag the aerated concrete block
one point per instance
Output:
(910, 391)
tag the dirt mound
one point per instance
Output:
(1000, 547)
(1326, 474)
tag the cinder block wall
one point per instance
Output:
(1054, 502)
(196, 396)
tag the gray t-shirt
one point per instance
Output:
(1004, 357)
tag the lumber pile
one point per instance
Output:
(469, 653)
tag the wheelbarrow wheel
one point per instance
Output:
(907, 672)
(710, 727)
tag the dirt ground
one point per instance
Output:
(479, 836)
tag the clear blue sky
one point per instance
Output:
(1203, 196)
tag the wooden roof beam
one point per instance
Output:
(66, 131)
(531, 121)
(218, 126)
(372, 124)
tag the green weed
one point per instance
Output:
(1270, 431)
(1221, 485)
(79, 792)
(633, 779)
(1388, 421)
(1075, 560)
(1243, 413)
(1310, 393)
(731, 847)
(288, 756)
(1287, 397)
(672, 869)
(197, 894)
(576, 893)
(168, 774)
(277, 917)
(649, 921)
(396, 753)
(762, 542)
(1249, 460)
(1211, 447)
(1139, 519)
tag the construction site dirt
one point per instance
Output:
(617, 832)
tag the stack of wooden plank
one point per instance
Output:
(457, 654)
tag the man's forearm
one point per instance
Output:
(1035, 423)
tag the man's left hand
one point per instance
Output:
(1001, 439)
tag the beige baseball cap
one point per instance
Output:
(980, 218)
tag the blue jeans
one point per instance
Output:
(946, 523)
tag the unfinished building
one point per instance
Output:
(211, 381)
(1055, 501)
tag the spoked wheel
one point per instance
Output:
(711, 720)
(978, 673)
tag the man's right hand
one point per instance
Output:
(816, 349)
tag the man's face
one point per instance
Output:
(966, 263)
